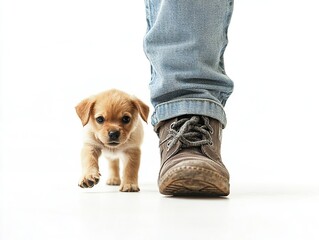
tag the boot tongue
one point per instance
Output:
(191, 132)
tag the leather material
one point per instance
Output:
(205, 158)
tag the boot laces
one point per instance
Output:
(191, 132)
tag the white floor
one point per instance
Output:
(250, 212)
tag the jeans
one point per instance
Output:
(185, 44)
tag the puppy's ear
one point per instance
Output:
(84, 108)
(142, 108)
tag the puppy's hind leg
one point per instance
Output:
(130, 171)
(114, 173)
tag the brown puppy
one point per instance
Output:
(112, 127)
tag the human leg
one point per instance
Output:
(185, 44)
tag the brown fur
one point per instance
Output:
(112, 106)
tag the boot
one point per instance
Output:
(191, 163)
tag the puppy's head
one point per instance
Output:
(112, 115)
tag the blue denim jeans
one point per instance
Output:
(185, 44)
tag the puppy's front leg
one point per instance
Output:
(130, 172)
(90, 167)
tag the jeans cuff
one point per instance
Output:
(175, 108)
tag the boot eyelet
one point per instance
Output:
(172, 125)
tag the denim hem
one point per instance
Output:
(193, 106)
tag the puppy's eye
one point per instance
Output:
(126, 119)
(100, 119)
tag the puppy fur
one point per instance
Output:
(112, 127)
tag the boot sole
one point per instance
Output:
(193, 181)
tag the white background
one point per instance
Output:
(55, 53)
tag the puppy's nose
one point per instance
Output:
(114, 135)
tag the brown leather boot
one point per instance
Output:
(190, 157)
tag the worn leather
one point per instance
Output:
(206, 157)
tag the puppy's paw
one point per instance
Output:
(113, 181)
(129, 187)
(89, 180)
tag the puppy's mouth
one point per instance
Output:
(113, 143)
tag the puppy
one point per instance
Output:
(112, 127)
